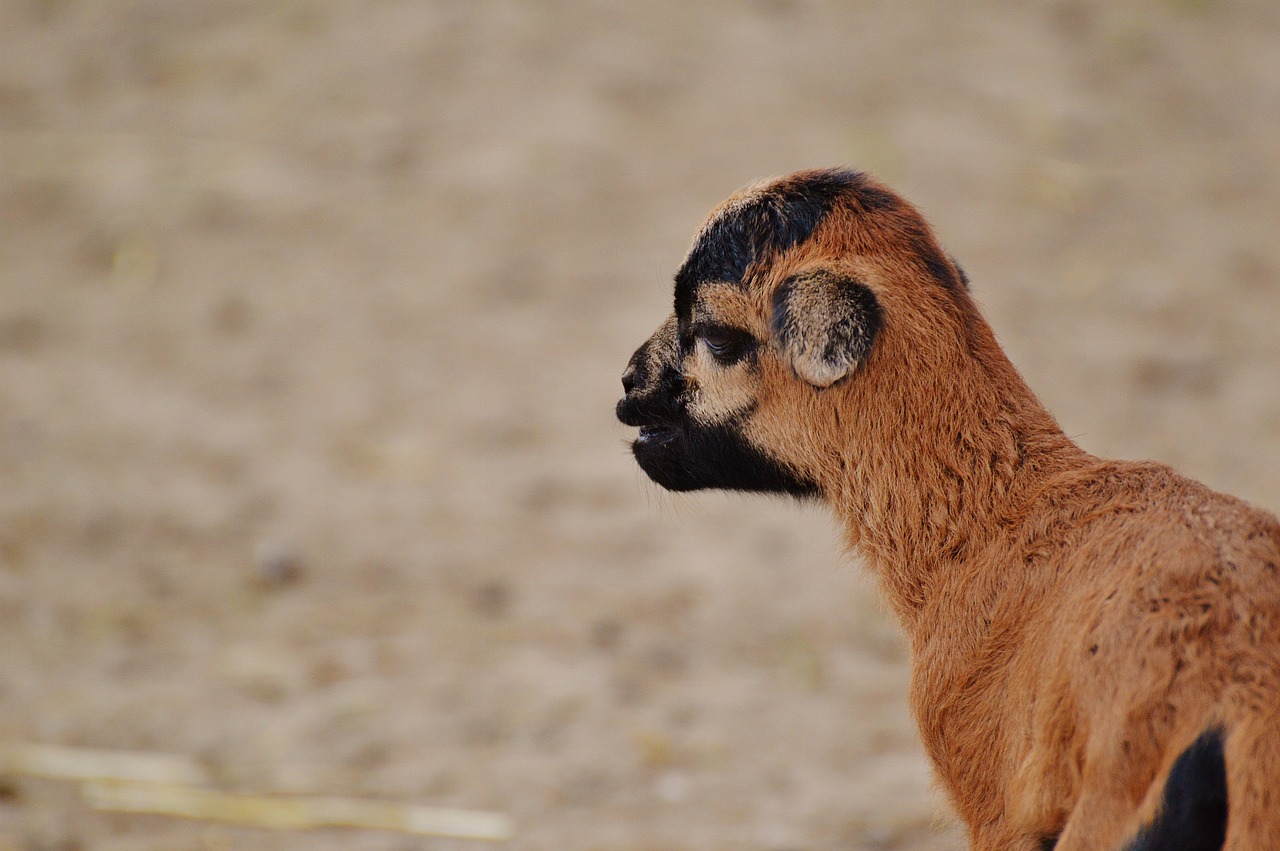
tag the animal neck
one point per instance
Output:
(956, 448)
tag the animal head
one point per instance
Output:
(801, 299)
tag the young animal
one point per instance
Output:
(1095, 644)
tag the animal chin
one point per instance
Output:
(663, 453)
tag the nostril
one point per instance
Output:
(629, 380)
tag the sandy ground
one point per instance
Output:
(343, 290)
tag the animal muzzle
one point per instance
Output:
(651, 395)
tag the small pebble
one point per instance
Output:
(493, 599)
(606, 634)
(276, 564)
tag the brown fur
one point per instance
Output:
(1074, 622)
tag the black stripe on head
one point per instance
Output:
(938, 265)
(964, 277)
(779, 217)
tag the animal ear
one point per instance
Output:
(824, 323)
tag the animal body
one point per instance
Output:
(1095, 644)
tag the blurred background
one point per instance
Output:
(312, 316)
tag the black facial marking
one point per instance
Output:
(656, 401)
(687, 457)
(780, 218)
(1048, 843)
(652, 384)
(681, 455)
(725, 344)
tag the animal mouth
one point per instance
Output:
(655, 435)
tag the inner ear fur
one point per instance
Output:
(824, 323)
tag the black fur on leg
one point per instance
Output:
(1193, 814)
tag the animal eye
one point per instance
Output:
(726, 345)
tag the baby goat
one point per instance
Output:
(1095, 644)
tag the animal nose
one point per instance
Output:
(629, 380)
